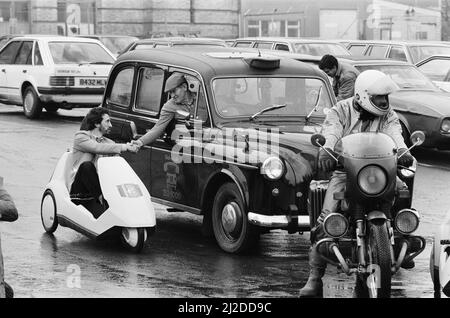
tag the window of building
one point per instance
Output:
(122, 87)
(253, 28)
(149, 90)
(422, 35)
(293, 29)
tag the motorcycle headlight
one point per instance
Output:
(372, 180)
(129, 190)
(445, 126)
(273, 168)
(407, 221)
(335, 225)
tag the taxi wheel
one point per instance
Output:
(233, 232)
(133, 239)
(32, 106)
(48, 212)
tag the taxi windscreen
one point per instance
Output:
(79, 53)
(239, 96)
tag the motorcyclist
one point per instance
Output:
(368, 110)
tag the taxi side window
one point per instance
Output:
(122, 87)
(37, 55)
(149, 91)
(25, 53)
(202, 108)
(8, 55)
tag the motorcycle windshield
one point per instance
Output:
(366, 145)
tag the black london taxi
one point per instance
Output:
(244, 159)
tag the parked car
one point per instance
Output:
(419, 103)
(440, 259)
(5, 38)
(115, 43)
(173, 41)
(53, 72)
(437, 68)
(241, 187)
(408, 51)
(294, 45)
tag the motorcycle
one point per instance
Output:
(129, 213)
(371, 235)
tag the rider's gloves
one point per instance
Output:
(407, 159)
(326, 162)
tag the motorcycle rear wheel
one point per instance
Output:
(378, 249)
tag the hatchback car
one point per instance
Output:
(173, 41)
(244, 161)
(53, 72)
(293, 45)
(407, 51)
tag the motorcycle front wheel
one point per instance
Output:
(378, 249)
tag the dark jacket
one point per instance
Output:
(8, 213)
(344, 81)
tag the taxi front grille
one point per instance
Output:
(62, 81)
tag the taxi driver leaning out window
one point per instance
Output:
(368, 110)
(181, 98)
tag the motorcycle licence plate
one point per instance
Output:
(92, 82)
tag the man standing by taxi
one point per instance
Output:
(344, 76)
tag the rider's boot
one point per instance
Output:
(314, 285)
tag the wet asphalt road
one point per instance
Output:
(179, 261)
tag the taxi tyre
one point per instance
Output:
(243, 235)
(32, 106)
(50, 198)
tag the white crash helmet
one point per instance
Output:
(371, 83)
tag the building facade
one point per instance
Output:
(218, 18)
(343, 19)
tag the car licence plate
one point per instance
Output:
(92, 82)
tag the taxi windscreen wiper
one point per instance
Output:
(265, 110)
(316, 106)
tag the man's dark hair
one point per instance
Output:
(93, 117)
(328, 61)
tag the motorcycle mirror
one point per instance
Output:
(318, 140)
(417, 138)
(183, 114)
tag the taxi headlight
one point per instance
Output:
(335, 225)
(445, 126)
(273, 168)
(372, 180)
(129, 190)
(407, 221)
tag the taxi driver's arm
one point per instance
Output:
(158, 129)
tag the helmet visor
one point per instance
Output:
(380, 101)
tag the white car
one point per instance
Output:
(440, 260)
(53, 72)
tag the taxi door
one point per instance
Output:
(174, 176)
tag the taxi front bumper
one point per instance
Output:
(280, 221)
